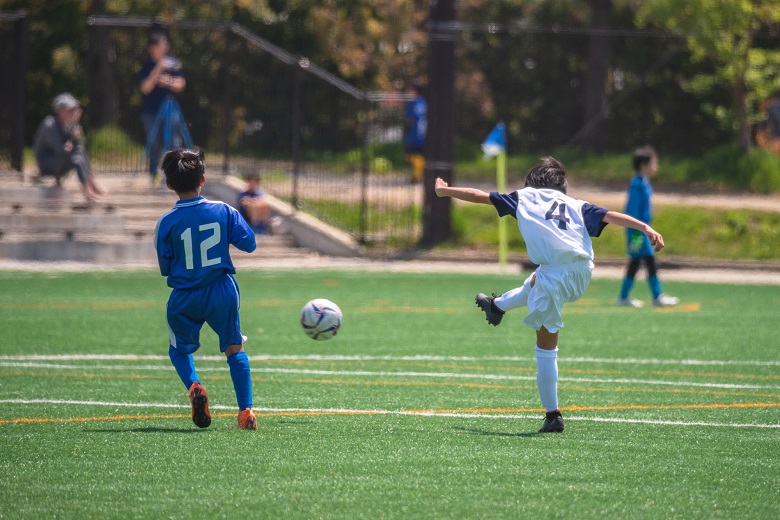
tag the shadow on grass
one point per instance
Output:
(150, 429)
(475, 431)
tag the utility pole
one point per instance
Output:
(440, 137)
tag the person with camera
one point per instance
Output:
(58, 147)
(160, 77)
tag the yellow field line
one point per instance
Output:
(301, 413)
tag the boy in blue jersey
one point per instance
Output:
(639, 206)
(192, 242)
(557, 231)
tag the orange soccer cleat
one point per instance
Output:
(200, 405)
(247, 420)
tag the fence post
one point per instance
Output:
(226, 64)
(439, 142)
(18, 86)
(296, 131)
(364, 170)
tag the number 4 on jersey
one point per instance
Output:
(560, 217)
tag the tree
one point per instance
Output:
(596, 73)
(724, 33)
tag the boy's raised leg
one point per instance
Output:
(185, 367)
(200, 406)
(493, 314)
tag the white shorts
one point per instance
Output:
(554, 286)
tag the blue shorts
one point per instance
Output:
(638, 244)
(216, 304)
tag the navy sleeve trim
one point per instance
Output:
(505, 204)
(594, 219)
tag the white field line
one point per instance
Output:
(319, 357)
(418, 413)
(369, 373)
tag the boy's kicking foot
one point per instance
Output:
(200, 405)
(553, 422)
(247, 420)
(493, 314)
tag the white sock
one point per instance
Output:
(547, 377)
(515, 298)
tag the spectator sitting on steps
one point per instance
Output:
(254, 207)
(58, 147)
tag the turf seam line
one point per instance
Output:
(421, 357)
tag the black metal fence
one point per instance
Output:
(13, 48)
(316, 141)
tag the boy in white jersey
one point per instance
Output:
(557, 230)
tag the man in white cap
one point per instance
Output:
(58, 147)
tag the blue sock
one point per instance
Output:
(655, 286)
(185, 367)
(625, 289)
(242, 379)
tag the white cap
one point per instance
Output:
(65, 100)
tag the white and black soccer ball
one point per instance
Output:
(321, 319)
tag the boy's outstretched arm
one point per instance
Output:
(467, 194)
(621, 219)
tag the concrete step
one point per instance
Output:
(47, 223)
(117, 249)
(61, 222)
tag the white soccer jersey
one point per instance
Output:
(556, 228)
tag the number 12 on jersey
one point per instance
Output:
(560, 217)
(205, 245)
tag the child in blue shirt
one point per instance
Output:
(639, 206)
(192, 242)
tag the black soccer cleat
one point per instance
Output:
(553, 422)
(492, 314)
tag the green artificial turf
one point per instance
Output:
(417, 409)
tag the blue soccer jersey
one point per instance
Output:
(417, 116)
(193, 240)
(639, 206)
(638, 203)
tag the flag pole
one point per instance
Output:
(501, 185)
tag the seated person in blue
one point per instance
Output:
(58, 147)
(253, 206)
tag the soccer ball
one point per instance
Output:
(321, 319)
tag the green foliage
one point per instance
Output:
(723, 33)
(688, 232)
(107, 144)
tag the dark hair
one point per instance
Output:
(418, 86)
(550, 174)
(156, 33)
(252, 177)
(643, 155)
(183, 169)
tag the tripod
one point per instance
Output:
(170, 121)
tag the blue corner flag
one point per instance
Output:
(495, 143)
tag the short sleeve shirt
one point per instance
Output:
(193, 242)
(153, 100)
(557, 229)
